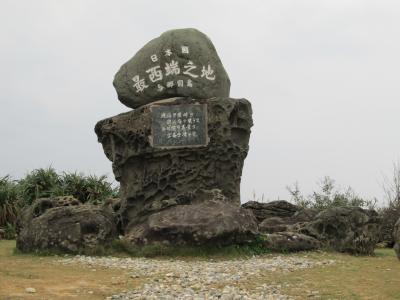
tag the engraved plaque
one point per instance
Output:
(183, 125)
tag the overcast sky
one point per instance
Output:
(323, 78)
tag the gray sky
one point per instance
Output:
(322, 76)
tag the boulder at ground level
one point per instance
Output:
(279, 208)
(272, 225)
(389, 216)
(63, 224)
(346, 229)
(290, 241)
(396, 236)
(304, 215)
(205, 223)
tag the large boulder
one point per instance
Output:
(279, 208)
(290, 241)
(346, 229)
(181, 62)
(156, 172)
(389, 216)
(272, 225)
(64, 224)
(396, 236)
(206, 223)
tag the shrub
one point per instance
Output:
(329, 196)
(44, 183)
(93, 189)
(9, 201)
(39, 183)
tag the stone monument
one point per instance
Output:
(179, 154)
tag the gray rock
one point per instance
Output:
(184, 57)
(62, 224)
(279, 208)
(153, 178)
(304, 215)
(346, 229)
(389, 216)
(205, 223)
(290, 241)
(396, 237)
(272, 225)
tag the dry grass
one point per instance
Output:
(52, 281)
(371, 277)
(351, 277)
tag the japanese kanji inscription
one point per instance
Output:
(183, 125)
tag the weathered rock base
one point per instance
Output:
(63, 224)
(211, 222)
(154, 179)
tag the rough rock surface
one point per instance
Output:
(181, 62)
(389, 216)
(279, 208)
(304, 215)
(210, 222)
(290, 241)
(63, 224)
(152, 179)
(346, 229)
(396, 236)
(273, 224)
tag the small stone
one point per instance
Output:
(30, 290)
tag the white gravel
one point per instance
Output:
(200, 279)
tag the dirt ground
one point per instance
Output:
(55, 281)
(371, 277)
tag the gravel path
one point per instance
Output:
(200, 279)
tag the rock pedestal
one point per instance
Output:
(169, 152)
(179, 160)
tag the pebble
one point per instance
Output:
(201, 279)
(30, 290)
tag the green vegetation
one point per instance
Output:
(10, 201)
(329, 196)
(46, 182)
(39, 183)
(93, 189)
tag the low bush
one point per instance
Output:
(328, 195)
(10, 201)
(44, 183)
